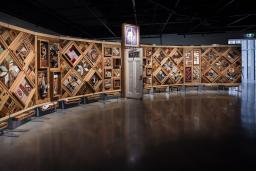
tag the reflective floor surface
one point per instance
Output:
(209, 130)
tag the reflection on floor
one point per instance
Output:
(210, 130)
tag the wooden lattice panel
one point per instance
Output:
(221, 65)
(166, 65)
(191, 65)
(81, 66)
(17, 70)
(112, 67)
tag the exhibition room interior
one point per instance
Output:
(127, 85)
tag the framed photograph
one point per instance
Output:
(54, 56)
(43, 53)
(43, 84)
(9, 70)
(131, 35)
(108, 51)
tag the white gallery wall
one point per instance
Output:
(248, 58)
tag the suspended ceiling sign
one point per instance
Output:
(131, 35)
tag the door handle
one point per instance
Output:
(140, 77)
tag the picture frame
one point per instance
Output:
(108, 73)
(72, 53)
(188, 74)
(43, 85)
(108, 62)
(107, 51)
(117, 72)
(55, 79)
(72, 83)
(23, 51)
(131, 35)
(22, 90)
(117, 84)
(117, 62)
(93, 55)
(95, 81)
(161, 76)
(54, 56)
(116, 51)
(108, 84)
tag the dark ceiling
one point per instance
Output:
(103, 18)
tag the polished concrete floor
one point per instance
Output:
(210, 130)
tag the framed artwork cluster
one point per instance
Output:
(17, 71)
(190, 65)
(48, 70)
(163, 65)
(112, 67)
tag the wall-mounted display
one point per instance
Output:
(108, 62)
(107, 51)
(179, 65)
(54, 55)
(72, 53)
(93, 54)
(116, 51)
(72, 82)
(95, 81)
(55, 85)
(23, 50)
(83, 67)
(43, 54)
(196, 57)
(23, 90)
(188, 74)
(43, 84)
(108, 73)
(9, 70)
(117, 83)
(108, 84)
(131, 35)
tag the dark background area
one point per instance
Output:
(102, 19)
